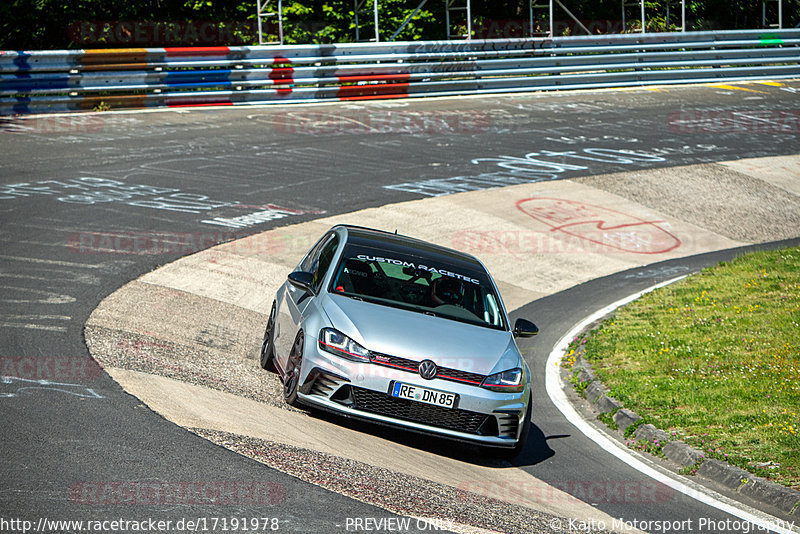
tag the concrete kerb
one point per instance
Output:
(625, 418)
(692, 460)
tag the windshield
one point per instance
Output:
(418, 283)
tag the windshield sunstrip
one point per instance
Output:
(452, 291)
(415, 266)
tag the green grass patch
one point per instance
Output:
(632, 428)
(690, 470)
(655, 447)
(574, 350)
(716, 358)
(608, 420)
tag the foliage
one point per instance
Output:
(608, 420)
(654, 447)
(56, 24)
(716, 357)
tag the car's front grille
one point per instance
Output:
(427, 414)
(444, 373)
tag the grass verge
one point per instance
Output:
(716, 358)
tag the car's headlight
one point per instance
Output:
(506, 381)
(335, 342)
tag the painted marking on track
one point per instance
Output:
(271, 213)
(46, 297)
(773, 84)
(555, 390)
(72, 277)
(79, 391)
(27, 321)
(89, 190)
(53, 262)
(737, 88)
(530, 168)
(600, 225)
(657, 271)
(33, 326)
(37, 317)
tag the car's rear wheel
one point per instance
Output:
(291, 378)
(268, 344)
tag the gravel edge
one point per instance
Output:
(471, 513)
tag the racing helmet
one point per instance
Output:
(447, 290)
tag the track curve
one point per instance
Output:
(71, 238)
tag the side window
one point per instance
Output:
(492, 312)
(323, 263)
(313, 255)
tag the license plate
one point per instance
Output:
(420, 394)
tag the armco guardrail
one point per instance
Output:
(47, 81)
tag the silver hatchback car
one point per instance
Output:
(398, 331)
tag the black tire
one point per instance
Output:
(267, 359)
(291, 378)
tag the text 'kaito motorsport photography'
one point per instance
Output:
(700, 525)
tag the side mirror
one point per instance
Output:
(302, 280)
(525, 328)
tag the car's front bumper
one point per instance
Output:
(361, 390)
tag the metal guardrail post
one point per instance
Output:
(545, 4)
(683, 15)
(375, 16)
(779, 25)
(448, 7)
(262, 13)
(631, 4)
(644, 26)
(357, 5)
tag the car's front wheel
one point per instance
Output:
(267, 359)
(526, 429)
(291, 378)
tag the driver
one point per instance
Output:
(447, 290)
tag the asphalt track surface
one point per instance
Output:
(199, 165)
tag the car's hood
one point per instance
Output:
(418, 337)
